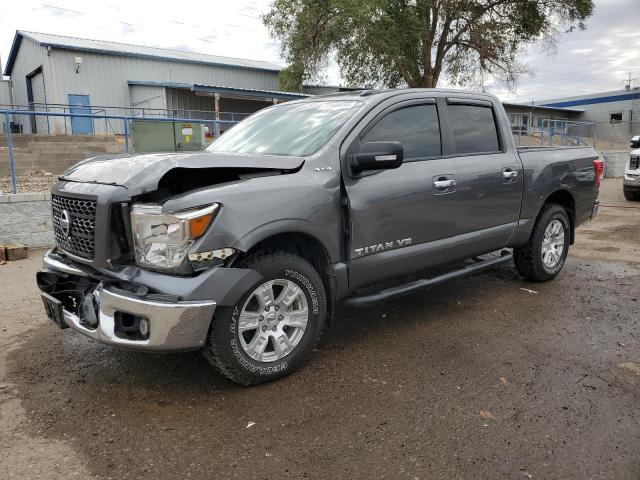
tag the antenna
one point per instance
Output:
(631, 82)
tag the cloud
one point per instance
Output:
(596, 59)
(212, 37)
(593, 60)
(127, 28)
(59, 11)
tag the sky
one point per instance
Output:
(597, 59)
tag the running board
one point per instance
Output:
(400, 291)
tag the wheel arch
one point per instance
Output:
(305, 246)
(566, 200)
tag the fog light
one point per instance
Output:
(144, 327)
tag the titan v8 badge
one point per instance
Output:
(381, 247)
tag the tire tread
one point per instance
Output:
(525, 257)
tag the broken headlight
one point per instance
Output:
(162, 240)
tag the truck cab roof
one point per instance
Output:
(377, 95)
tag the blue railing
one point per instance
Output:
(124, 118)
(569, 132)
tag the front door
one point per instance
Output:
(395, 215)
(80, 104)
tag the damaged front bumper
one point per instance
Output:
(116, 308)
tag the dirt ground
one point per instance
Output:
(615, 234)
(488, 377)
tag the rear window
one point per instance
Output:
(474, 129)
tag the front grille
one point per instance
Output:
(634, 163)
(81, 213)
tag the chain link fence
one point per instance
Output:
(616, 135)
(555, 132)
(601, 136)
(53, 150)
(103, 120)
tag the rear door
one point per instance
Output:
(394, 213)
(490, 176)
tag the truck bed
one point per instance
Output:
(552, 168)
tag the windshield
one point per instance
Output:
(298, 129)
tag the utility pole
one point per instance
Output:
(632, 85)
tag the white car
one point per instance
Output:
(631, 182)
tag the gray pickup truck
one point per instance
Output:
(245, 249)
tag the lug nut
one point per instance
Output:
(280, 317)
(264, 328)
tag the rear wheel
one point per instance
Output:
(543, 256)
(631, 195)
(274, 326)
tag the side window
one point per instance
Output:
(416, 127)
(474, 129)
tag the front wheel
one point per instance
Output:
(274, 326)
(543, 256)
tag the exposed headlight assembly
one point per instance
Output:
(162, 240)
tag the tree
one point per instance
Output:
(394, 42)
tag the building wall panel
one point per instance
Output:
(30, 57)
(105, 79)
(5, 93)
(601, 112)
(146, 98)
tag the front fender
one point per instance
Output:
(255, 209)
(287, 225)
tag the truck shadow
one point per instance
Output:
(90, 370)
(68, 358)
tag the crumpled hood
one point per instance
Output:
(142, 173)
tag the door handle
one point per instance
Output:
(509, 175)
(442, 184)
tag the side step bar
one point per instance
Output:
(400, 291)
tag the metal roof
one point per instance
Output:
(542, 107)
(247, 92)
(127, 50)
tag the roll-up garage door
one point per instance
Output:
(41, 122)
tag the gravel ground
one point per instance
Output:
(28, 183)
(488, 377)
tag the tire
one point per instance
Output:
(229, 353)
(631, 195)
(529, 258)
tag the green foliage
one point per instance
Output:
(402, 42)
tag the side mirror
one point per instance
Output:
(377, 156)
